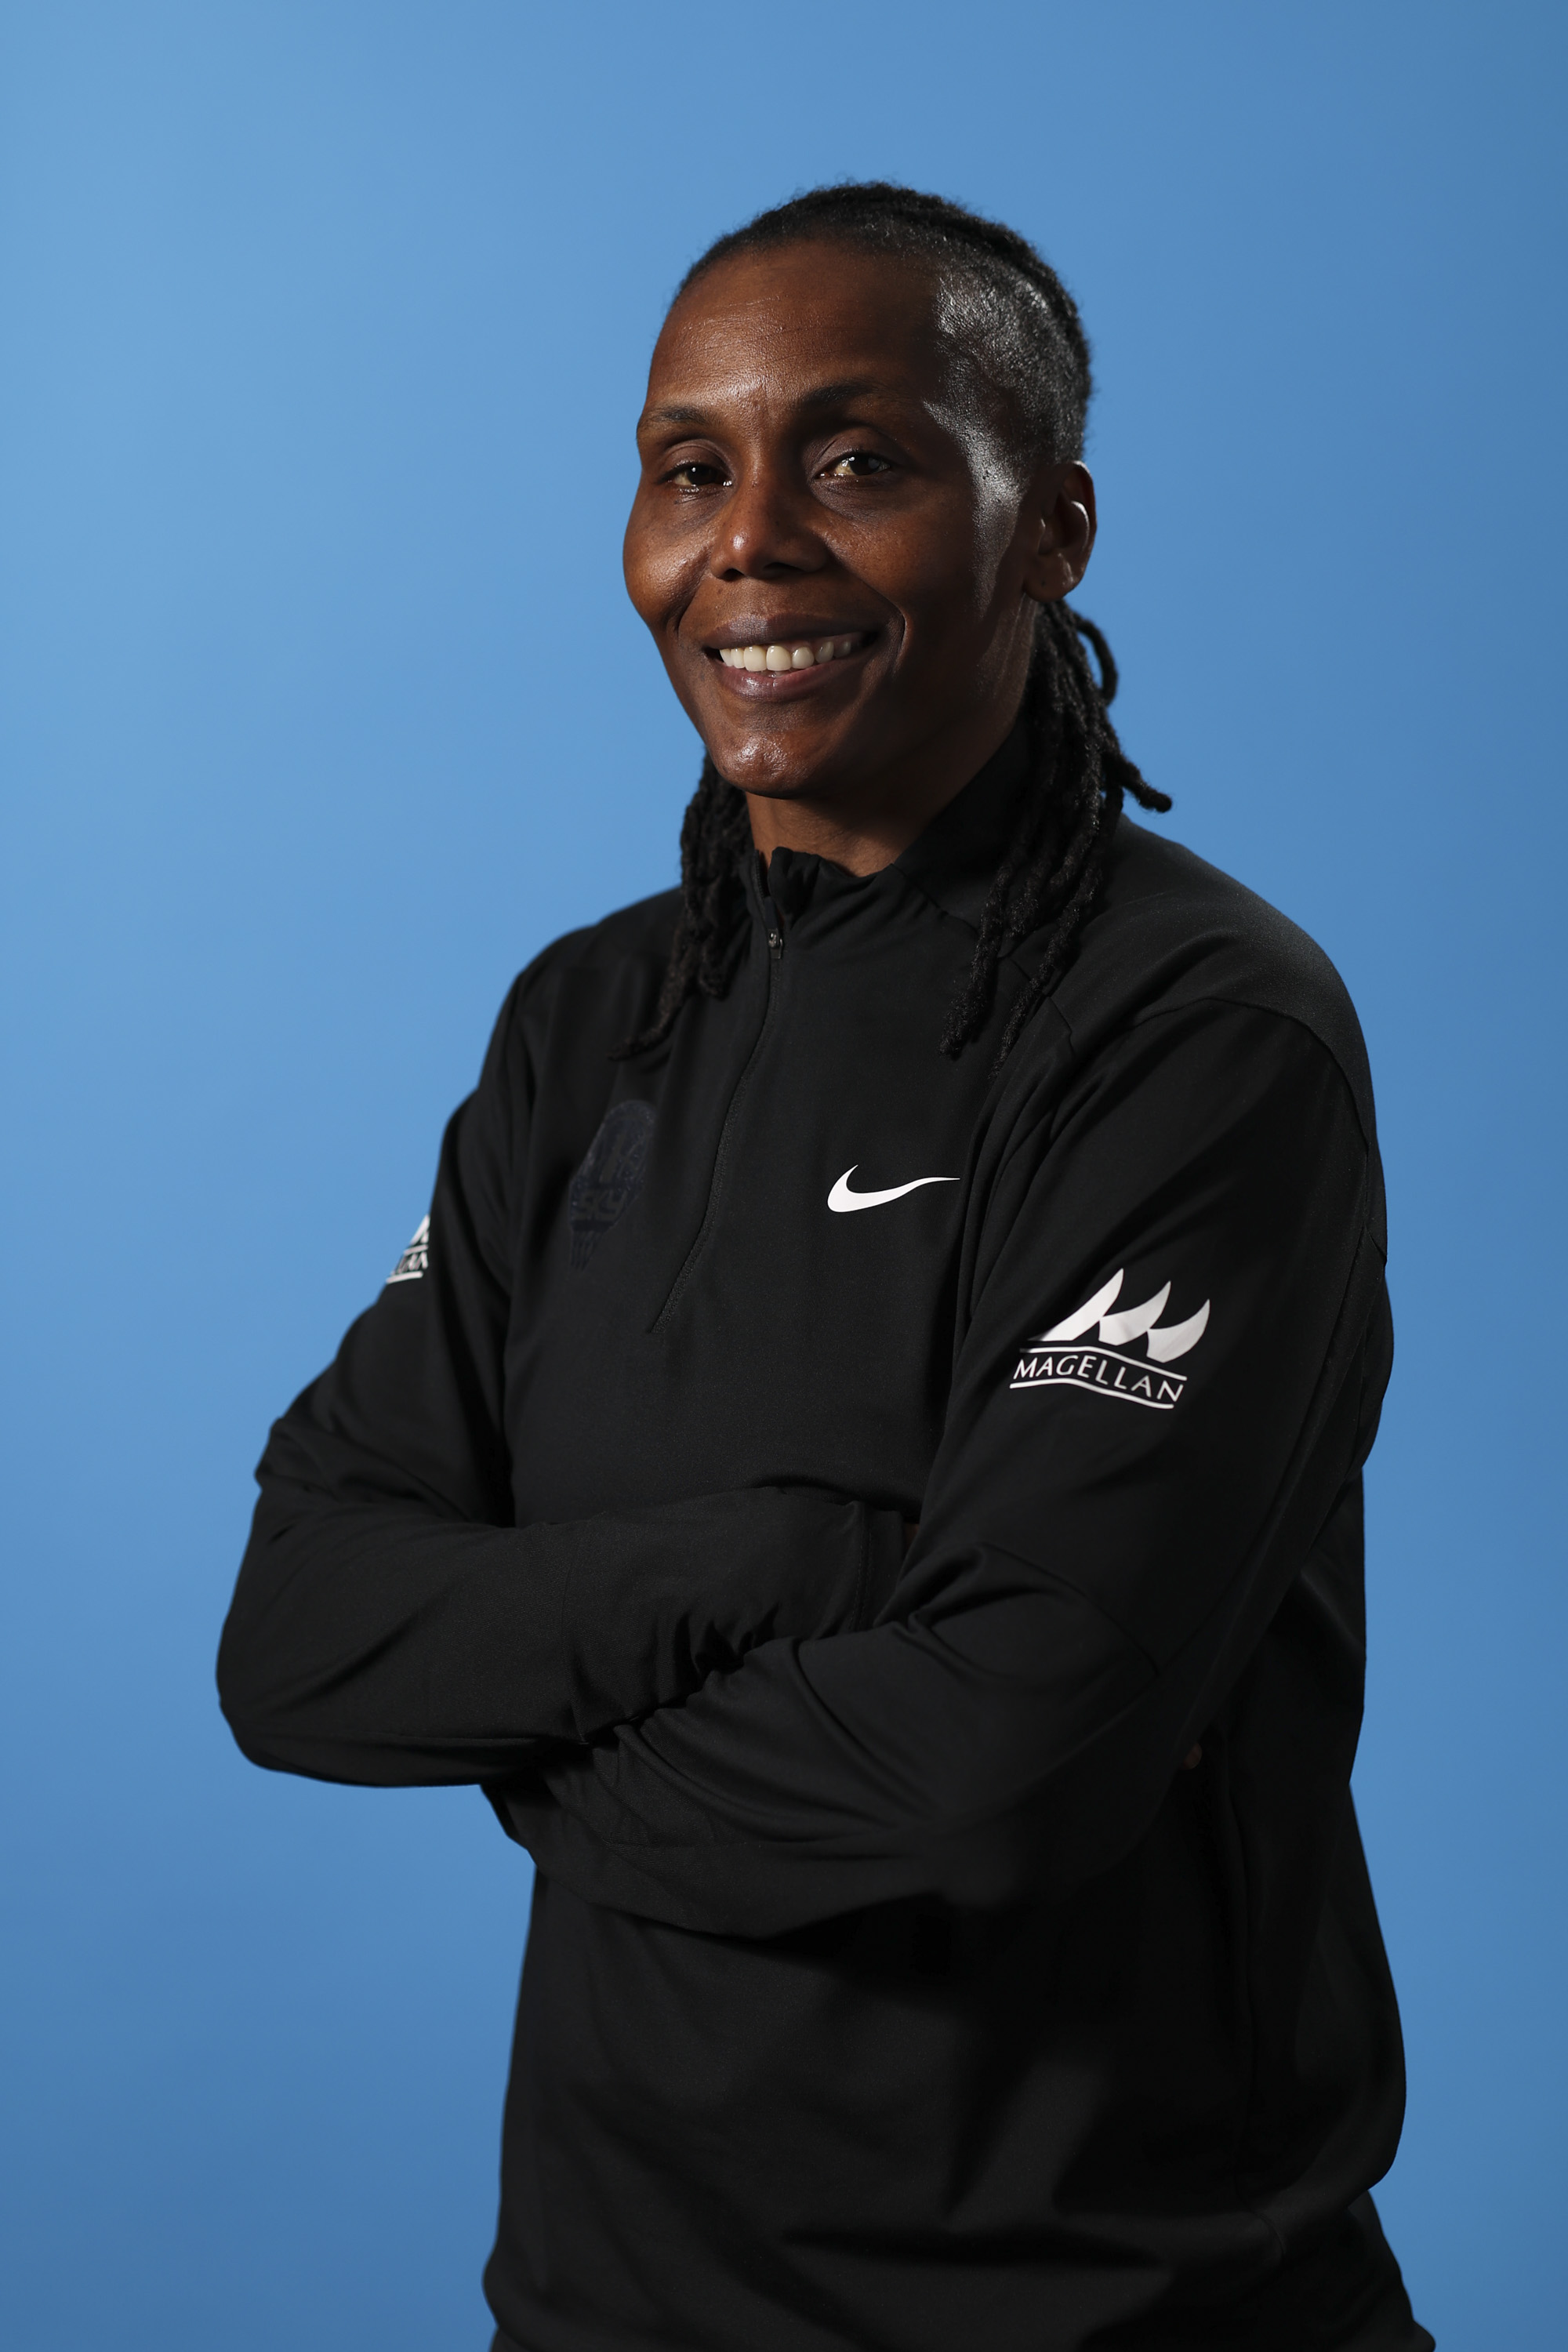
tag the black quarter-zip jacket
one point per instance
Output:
(890, 1986)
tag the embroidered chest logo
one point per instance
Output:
(1110, 1365)
(416, 1258)
(610, 1178)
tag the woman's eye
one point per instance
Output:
(697, 473)
(854, 466)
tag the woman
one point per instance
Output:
(863, 1460)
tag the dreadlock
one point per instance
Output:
(1015, 325)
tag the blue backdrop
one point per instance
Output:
(324, 322)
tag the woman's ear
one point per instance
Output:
(1059, 517)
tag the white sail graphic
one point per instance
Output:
(1133, 1323)
(1165, 1346)
(1076, 1325)
(1115, 1330)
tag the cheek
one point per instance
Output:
(963, 574)
(657, 570)
(993, 523)
(947, 576)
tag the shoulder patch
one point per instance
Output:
(1108, 1366)
(416, 1258)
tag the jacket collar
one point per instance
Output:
(953, 862)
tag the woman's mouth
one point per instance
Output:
(787, 654)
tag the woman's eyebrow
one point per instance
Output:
(672, 414)
(834, 396)
(822, 396)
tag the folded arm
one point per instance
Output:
(1112, 1519)
(391, 1623)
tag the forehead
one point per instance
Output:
(775, 325)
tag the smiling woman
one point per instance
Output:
(861, 449)
(819, 475)
(951, 1925)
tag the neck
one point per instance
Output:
(865, 825)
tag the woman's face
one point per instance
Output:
(827, 499)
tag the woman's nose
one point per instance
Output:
(767, 526)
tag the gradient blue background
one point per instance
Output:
(323, 709)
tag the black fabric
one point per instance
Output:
(889, 1983)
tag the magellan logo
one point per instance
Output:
(414, 1262)
(1060, 1358)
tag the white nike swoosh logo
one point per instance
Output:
(842, 1198)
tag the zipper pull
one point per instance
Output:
(775, 929)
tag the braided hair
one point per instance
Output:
(1013, 323)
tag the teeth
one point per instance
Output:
(776, 658)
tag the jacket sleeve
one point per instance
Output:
(1176, 1345)
(392, 1625)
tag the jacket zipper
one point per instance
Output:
(775, 936)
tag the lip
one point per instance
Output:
(785, 685)
(788, 685)
(787, 628)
